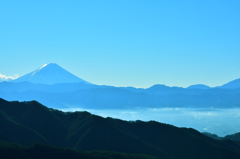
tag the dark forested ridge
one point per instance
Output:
(235, 137)
(38, 151)
(27, 123)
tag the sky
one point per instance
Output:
(124, 42)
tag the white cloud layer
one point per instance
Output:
(8, 78)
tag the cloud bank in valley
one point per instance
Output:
(217, 121)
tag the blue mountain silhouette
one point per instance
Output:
(50, 74)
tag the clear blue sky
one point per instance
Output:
(124, 42)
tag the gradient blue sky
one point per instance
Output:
(124, 42)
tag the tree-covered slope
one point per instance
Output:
(27, 123)
(37, 151)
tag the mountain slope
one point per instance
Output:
(50, 74)
(232, 84)
(38, 151)
(235, 136)
(54, 88)
(84, 131)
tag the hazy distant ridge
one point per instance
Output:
(57, 88)
(52, 73)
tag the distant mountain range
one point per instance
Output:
(81, 95)
(27, 123)
(52, 73)
(57, 88)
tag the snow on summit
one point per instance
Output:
(43, 66)
(50, 73)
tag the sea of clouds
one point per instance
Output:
(217, 121)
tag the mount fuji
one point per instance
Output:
(50, 74)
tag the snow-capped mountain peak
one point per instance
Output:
(50, 73)
(40, 68)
